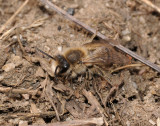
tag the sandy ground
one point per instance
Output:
(27, 89)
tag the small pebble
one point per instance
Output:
(71, 11)
(113, 116)
(17, 60)
(14, 121)
(23, 123)
(60, 48)
(107, 4)
(103, 32)
(1, 77)
(152, 122)
(126, 32)
(71, 35)
(142, 20)
(26, 96)
(59, 28)
(128, 123)
(126, 38)
(47, 49)
(8, 67)
(68, 119)
(15, 39)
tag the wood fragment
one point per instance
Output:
(95, 103)
(49, 94)
(29, 115)
(34, 109)
(117, 115)
(53, 7)
(13, 16)
(74, 109)
(113, 91)
(17, 91)
(81, 122)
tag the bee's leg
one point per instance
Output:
(68, 75)
(73, 74)
(80, 78)
(98, 71)
(107, 77)
(88, 74)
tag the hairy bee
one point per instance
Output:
(92, 58)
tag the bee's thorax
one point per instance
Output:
(75, 55)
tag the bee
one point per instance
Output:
(91, 58)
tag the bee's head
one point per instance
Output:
(59, 64)
(62, 65)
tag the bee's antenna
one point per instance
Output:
(45, 53)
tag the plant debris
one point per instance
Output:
(32, 95)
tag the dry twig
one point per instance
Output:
(53, 7)
(81, 122)
(29, 115)
(17, 91)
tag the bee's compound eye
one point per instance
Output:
(66, 65)
(63, 64)
(61, 69)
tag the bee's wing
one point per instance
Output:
(99, 43)
(103, 54)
